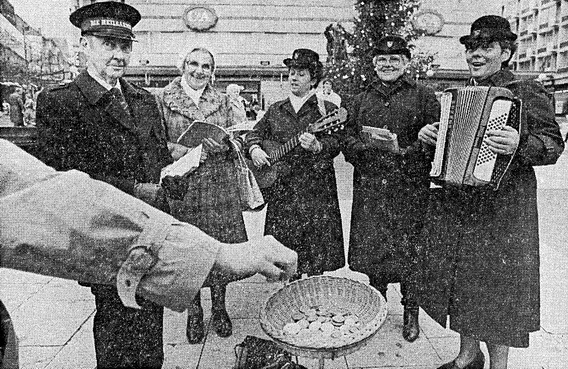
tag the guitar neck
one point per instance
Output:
(283, 150)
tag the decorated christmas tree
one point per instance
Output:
(350, 63)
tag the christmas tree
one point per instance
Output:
(350, 65)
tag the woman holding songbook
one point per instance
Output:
(208, 197)
(482, 261)
(390, 178)
(303, 207)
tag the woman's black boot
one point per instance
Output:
(220, 318)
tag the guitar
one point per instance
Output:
(267, 175)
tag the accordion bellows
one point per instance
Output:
(461, 156)
(342, 293)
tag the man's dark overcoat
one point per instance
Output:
(81, 126)
(482, 263)
(303, 207)
(389, 190)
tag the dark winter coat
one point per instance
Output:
(482, 263)
(303, 207)
(81, 127)
(389, 190)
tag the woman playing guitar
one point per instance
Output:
(303, 208)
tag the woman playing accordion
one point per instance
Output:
(482, 263)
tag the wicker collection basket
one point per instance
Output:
(332, 292)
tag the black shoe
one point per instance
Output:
(221, 323)
(477, 363)
(411, 328)
(195, 330)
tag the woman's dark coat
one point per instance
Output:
(389, 190)
(482, 263)
(303, 207)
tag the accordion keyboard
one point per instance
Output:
(486, 158)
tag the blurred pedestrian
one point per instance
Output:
(327, 92)
(238, 103)
(29, 110)
(16, 107)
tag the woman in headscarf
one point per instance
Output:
(209, 198)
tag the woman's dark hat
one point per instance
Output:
(106, 19)
(489, 28)
(303, 59)
(390, 45)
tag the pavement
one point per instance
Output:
(53, 317)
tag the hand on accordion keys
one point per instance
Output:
(502, 141)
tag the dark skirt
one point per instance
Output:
(303, 213)
(212, 201)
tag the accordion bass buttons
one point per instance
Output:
(387, 103)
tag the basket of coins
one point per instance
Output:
(323, 317)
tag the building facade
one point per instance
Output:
(542, 26)
(26, 56)
(250, 38)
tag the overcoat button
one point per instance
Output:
(384, 181)
(387, 103)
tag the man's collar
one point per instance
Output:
(100, 80)
(92, 89)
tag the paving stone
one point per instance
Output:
(247, 300)
(339, 363)
(432, 329)
(543, 352)
(219, 352)
(175, 326)
(37, 357)
(41, 323)
(562, 339)
(182, 356)
(12, 276)
(15, 295)
(388, 347)
(79, 352)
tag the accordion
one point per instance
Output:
(461, 156)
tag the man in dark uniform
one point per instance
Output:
(390, 180)
(110, 129)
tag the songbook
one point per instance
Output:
(184, 165)
(381, 138)
(199, 130)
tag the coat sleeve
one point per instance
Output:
(330, 141)
(352, 146)
(541, 142)
(260, 132)
(93, 232)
